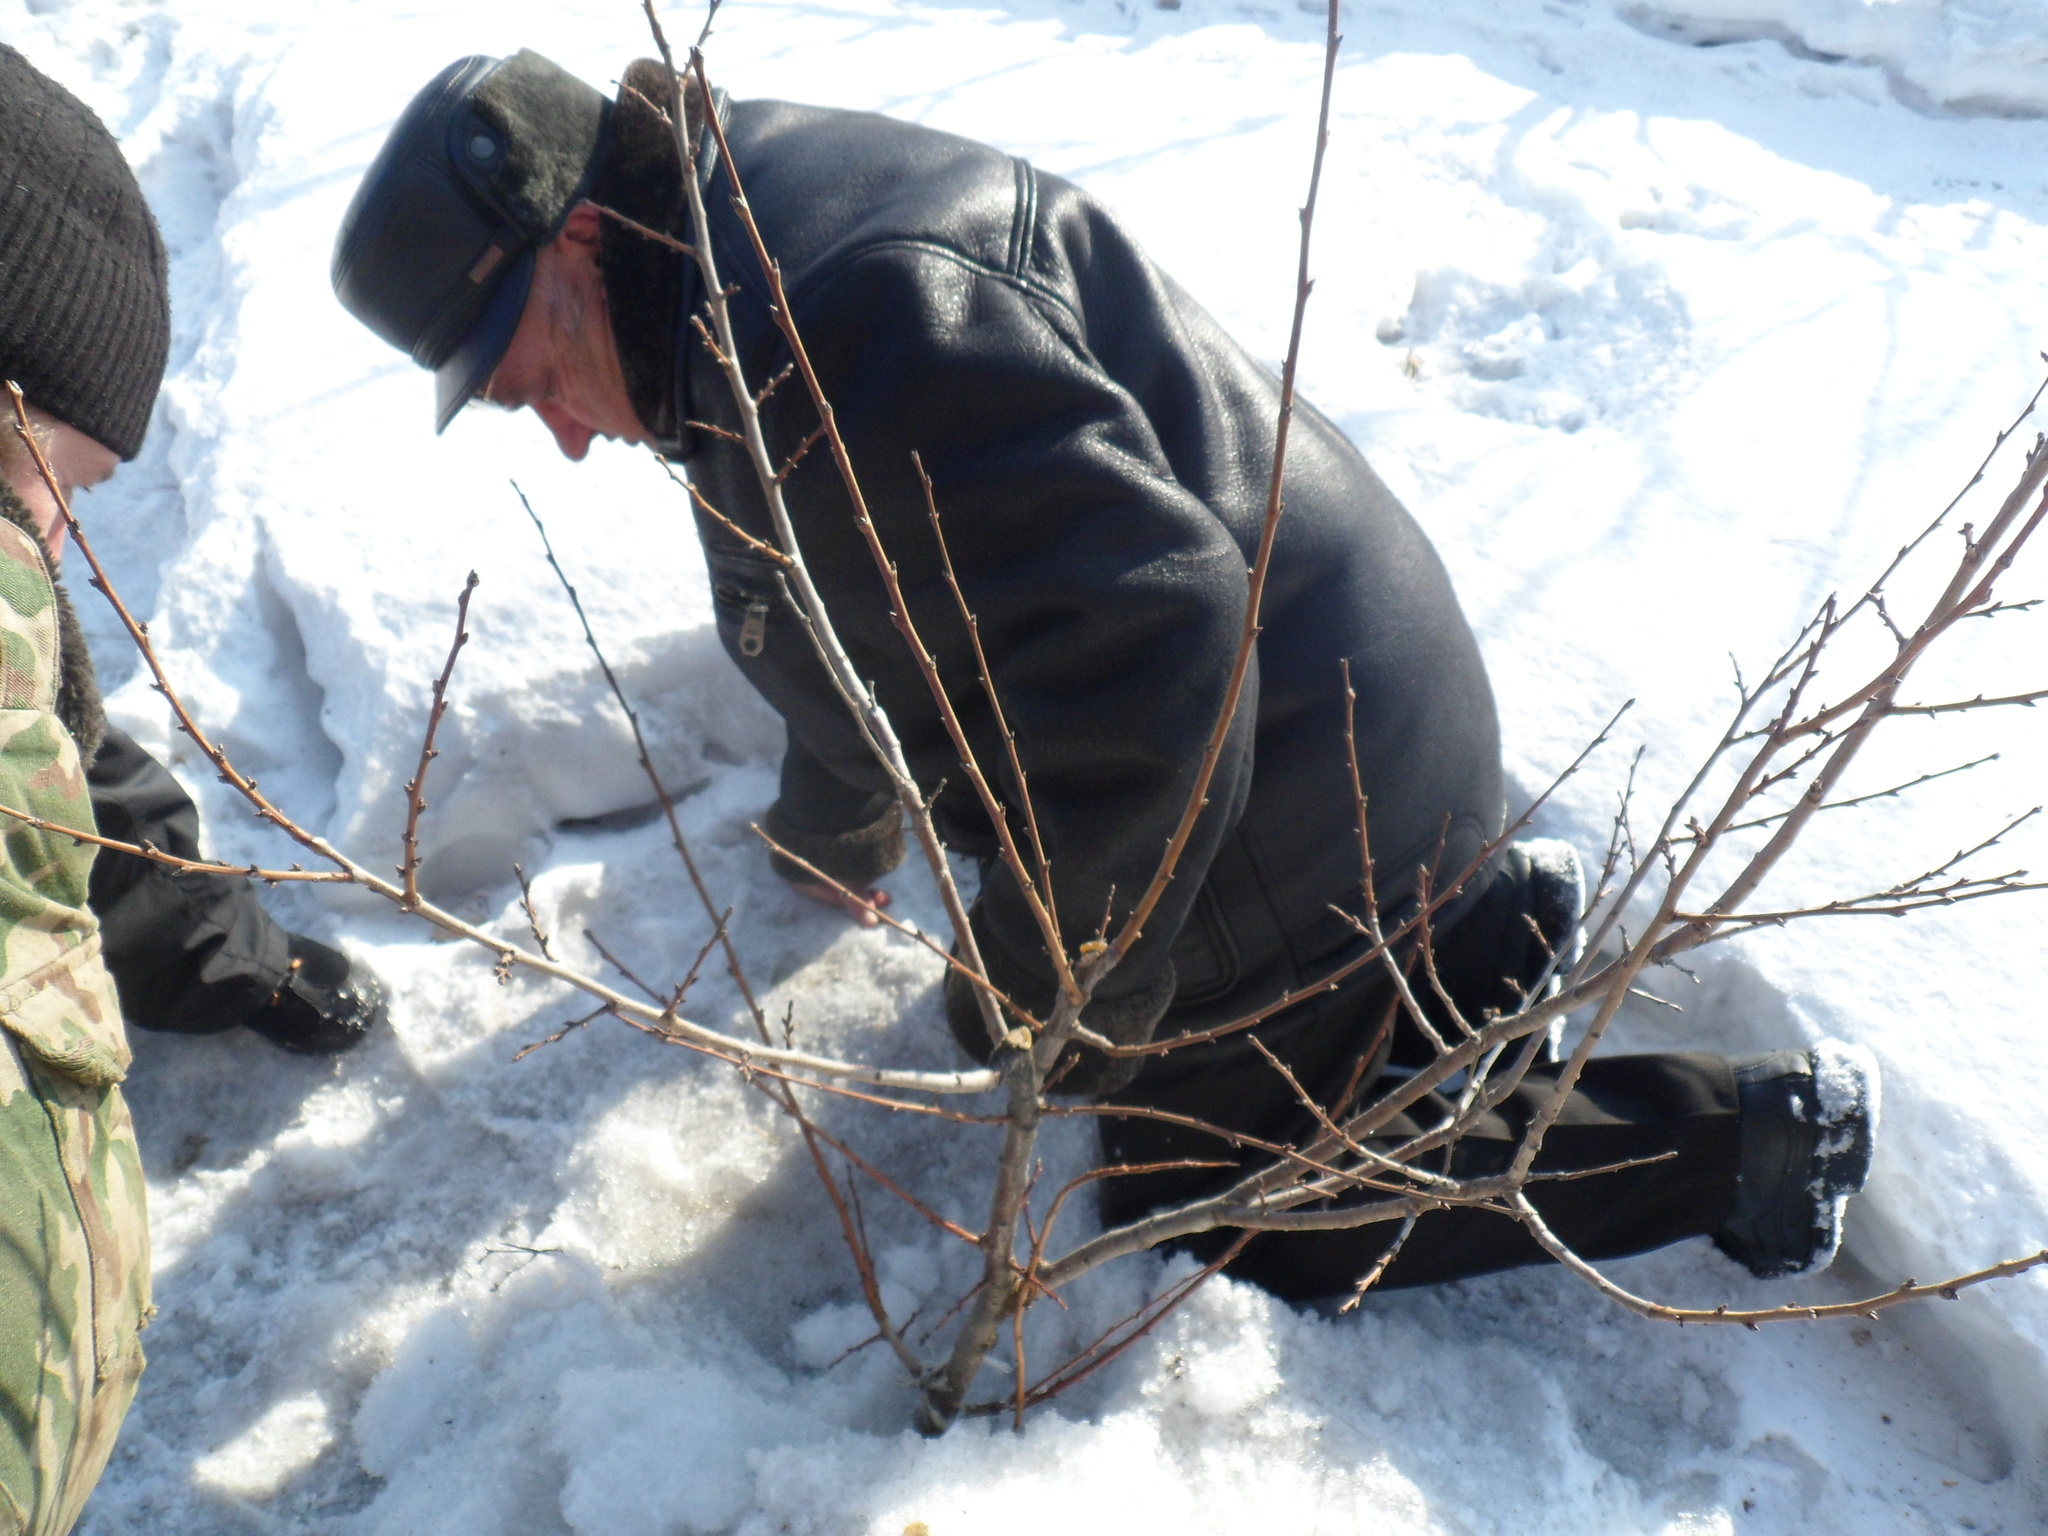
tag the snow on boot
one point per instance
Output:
(1556, 885)
(325, 1007)
(1554, 895)
(1809, 1122)
(1494, 956)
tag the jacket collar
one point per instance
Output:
(651, 290)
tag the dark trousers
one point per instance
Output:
(1623, 1108)
(191, 953)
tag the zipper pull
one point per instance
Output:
(754, 630)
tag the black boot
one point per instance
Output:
(1520, 938)
(1809, 1121)
(324, 1007)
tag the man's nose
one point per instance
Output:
(571, 436)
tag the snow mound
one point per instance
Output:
(1988, 56)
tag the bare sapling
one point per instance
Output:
(1697, 879)
(1339, 1163)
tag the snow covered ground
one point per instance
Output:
(1666, 319)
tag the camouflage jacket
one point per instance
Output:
(74, 1240)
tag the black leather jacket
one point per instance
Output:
(1100, 450)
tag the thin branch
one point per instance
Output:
(1101, 1353)
(1884, 794)
(697, 965)
(2024, 700)
(875, 725)
(1397, 973)
(760, 547)
(563, 1033)
(882, 915)
(540, 939)
(1976, 479)
(1426, 945)
(995, 705)
(1969, 589)
(852, 1230)
(1198, 794)
(724, 434)
(1868, 1306)
(1297, 1160)
(177, 865)
(782, 377)
(1627, 1164)
(796, 455)
(950, 1228)
(750, 1068)
(654, 780)
(1334, 1131)
(416, 786)
(620, 966)
(644, 231)
(1380, 1266)
(1910, 895)
(1868, 906)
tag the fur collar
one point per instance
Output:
(78, 688)
(641, 177)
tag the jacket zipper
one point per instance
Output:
(754, 628)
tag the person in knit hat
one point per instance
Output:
(84, 336)
(84, 332)
(84, 326)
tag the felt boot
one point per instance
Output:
(1809, 1122)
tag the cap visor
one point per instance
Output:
(476, 356)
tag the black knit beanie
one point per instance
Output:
(85, 306)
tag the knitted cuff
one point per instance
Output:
(856, 858)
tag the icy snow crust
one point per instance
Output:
(1662, 342)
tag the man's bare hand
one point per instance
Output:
(846, 903)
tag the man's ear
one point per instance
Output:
(584, 225)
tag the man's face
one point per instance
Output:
(79, 463)
(563, 364)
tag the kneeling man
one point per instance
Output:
(1100, 450)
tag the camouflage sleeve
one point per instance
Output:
(74, 1237)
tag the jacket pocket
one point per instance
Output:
(747, 595)
(66, 1015)
(66, 1020)
(1205, 958)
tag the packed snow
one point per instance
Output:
(1666, 319)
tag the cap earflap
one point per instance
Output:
(481, 170)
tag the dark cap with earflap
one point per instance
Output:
(436, 252)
